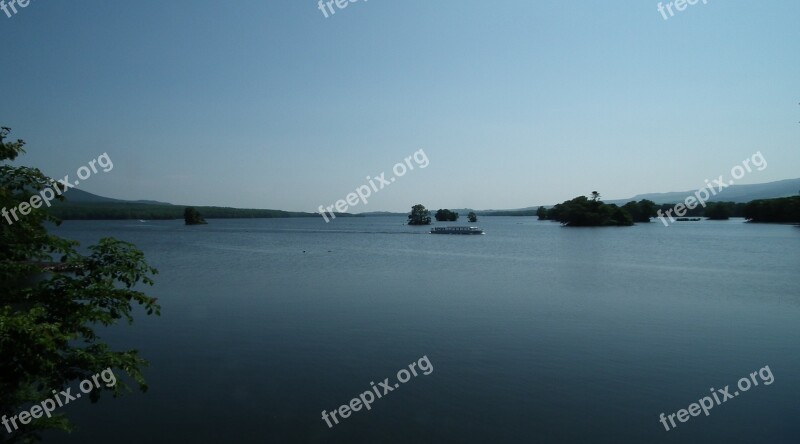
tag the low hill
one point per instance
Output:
(733, 193)
(82, 205)
(75, 195)
(134, 210)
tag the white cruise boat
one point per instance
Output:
(457, 230)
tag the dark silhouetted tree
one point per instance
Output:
(419, 215)
(54, 302)
(446, 216)
(192, 217)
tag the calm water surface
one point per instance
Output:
(536, 333)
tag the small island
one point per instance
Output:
(193, 217)
(590, 211)
(419, 215)
(446, 216)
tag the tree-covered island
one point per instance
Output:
(590, 211)
(419, 215)
(446, 215)
(192, 217)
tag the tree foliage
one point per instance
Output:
(419, 215)
(735, 209)
(585, 212)
(719, 210)
(52, 299)
(193, 217)
(783, 210)
(446, 215)
(641, 211)
(472, 217)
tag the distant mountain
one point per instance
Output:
(79, 196)
(150, 202)
(83, 205)
(733, 193)
(75, 195)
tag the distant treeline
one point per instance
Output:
(780, 210)
(119, 211)
(783, 210)
(712, 210)
(730, 209)
(583, 211)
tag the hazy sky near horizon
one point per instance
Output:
(268, 104)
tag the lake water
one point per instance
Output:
(536, 333)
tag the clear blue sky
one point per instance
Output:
(268, 104)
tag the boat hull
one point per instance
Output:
(457, 230)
